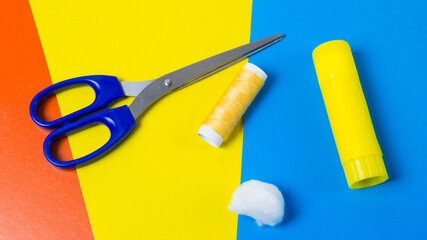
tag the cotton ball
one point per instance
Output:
(262, 201)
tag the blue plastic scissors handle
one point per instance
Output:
(121, 121)
(118, 120)
(107, 90)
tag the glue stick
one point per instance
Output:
(232, 105)
(358, 148)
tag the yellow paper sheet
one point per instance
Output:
(163, 182)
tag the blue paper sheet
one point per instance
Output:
(288, 140)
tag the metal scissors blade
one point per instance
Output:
(195, 72)
(132, 89)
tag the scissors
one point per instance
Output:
(122, 120)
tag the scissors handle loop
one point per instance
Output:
(119, 121)
(107, 89)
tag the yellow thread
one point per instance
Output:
(234, 102)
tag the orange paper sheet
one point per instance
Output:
(37, 201)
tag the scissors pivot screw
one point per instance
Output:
(168, 82)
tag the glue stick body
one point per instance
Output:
(357, 145)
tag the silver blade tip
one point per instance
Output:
(280, 36)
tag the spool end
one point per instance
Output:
(210, 136)
(366, 171)
(255, 69)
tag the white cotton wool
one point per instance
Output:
(262, 201)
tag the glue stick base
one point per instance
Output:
(366, 171)
(210, 136)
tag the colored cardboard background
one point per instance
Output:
(288, 140)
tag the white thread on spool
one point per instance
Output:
(210, 136)
(232, 105)
(255, 69)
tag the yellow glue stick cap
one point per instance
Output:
(351, 124)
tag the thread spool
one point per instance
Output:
(232, 105)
